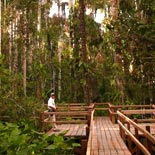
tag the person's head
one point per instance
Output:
(52, 95)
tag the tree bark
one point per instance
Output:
(84, 51)
(24, 52)
(0, 26)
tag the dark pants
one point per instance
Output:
(51, 110)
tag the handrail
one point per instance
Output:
(145, 132)
(122, 118)
(141, 111)
(90, 142)
(134, 106)
(68, 113)
(140, 146)
(80, 116)
(113, 109)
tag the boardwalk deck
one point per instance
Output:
(106, 139)
(71, 130)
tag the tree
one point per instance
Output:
(84, 55)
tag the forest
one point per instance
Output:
(81, 60)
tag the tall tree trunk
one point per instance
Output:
(84, 51)
(118, 55)
(39, 22)
(58, 8)
(10, 42)
(0, 35)
(38, 87)
(15, 60)
(59, 74)
(15, 49)
(24, 51)
(0, 26)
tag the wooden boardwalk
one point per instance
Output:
(102, 135)
(106, 139)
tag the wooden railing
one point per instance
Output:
(102, 106)
(91, 131)
(125, 125)
(113, 109)
(68, 115)
(141, 116)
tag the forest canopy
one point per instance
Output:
(78, 58)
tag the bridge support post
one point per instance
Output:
(83, 146)
(129, 141)
(137, 136)
(148, 143)
(41, 121)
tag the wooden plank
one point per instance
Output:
(94, 138)
(66, 121)
(94, 152)
(113, 142)
(141, 111)
(100, 138)
(122, 149)
(70, 113)
(131, 106)
(82, 130)
(72, 130)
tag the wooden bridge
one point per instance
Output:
(128, 130)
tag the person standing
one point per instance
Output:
(52, 108)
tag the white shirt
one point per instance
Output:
(51, 103)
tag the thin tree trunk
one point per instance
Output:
(39, 22)
(59, 74)
(83, 50)
(59, 57)
(24, 52)
(10, 43)
(15, 49)
(118, 56)
(38, 43)
(0, 36)
(58, 8)
(15, 63)
(0, 26)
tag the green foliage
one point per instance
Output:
(136, 28)
(23, 140)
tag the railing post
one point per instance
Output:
(129, 139)
(148, 143)
(83, 146)
(41, 121)
(153, 115)
(137, 136)
(120, 128)
(112, 108)
(123, 132)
